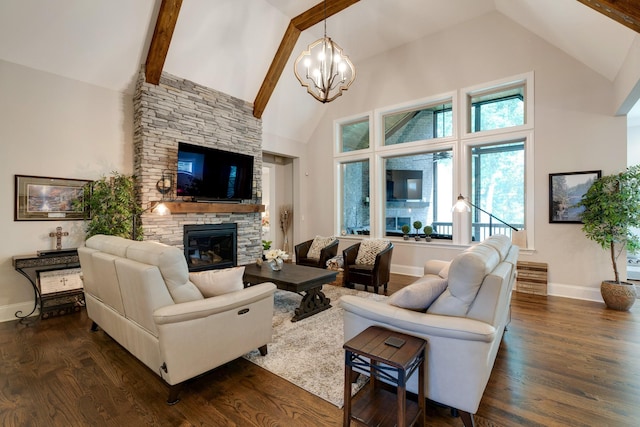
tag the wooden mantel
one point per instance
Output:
(203, 207)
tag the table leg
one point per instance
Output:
(422, 420)
(402, 401)
(346, 420)
(314, 301)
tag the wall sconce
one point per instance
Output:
(157, 208)
(165, 183)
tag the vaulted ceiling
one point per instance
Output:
(229, 45)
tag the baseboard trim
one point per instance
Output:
(407, 270)
(8, 312)
(574, 291)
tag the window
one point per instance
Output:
(418, 162)
(497, 186)
(354, 136)
(355, 218)
(418, 188)
(430, 122)
(497, 110)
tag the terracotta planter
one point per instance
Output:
(618, 296)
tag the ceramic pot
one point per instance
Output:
(618, 296)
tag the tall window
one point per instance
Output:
(418, 188)
(497, 186)
(355, 218)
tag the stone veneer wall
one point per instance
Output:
(178, 110)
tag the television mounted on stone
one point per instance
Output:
(211, 174)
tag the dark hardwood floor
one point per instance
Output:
(561, 363)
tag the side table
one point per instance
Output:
(65, 297)
(392, 357)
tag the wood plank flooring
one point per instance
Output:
(562, 362)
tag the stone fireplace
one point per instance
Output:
(178, 110)
(210, 246)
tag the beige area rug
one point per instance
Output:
(308, 353)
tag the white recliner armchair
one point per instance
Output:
(140, 294)
(464, 313)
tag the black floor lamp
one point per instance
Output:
(462, 205)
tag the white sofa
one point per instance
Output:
(140, 294)
(463, 327)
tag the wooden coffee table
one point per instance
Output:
(298, 279)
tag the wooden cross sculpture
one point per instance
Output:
(58, 235)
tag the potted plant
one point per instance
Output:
(113, 207)
(428, 231)
(611, 211)
(266, 245)
(405, 231)
(417, 225)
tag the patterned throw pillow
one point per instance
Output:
(368, 250)
(318, 244)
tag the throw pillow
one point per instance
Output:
(212, 283)
(318, 244)
(368, 250)
(418, 296)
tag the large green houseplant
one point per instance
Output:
(611, 212)
(113, 207)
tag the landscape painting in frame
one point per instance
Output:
(41, 198)
(565, 191)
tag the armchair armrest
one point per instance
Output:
(414, 322)
(191, 310)
(328, 252)
(382, 266)
(302, 249)
(350, 254)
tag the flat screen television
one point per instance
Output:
(209, 174)
(404, 185)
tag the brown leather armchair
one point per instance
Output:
(326, 254)
(375, 275)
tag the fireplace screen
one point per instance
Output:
(210, 246)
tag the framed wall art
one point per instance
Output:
(39, 198)
(565, 191)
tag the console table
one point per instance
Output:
(59, 272)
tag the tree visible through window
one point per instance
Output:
(497, 186)
(497, 110)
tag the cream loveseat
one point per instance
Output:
(140, 294)
(463, 327)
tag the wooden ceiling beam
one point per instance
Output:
(162, 34)
(626, 12)
(298, 24)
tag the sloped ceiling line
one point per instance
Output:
(626, 12)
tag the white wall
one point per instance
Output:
(575, 130)
(56, 127)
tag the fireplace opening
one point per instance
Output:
(210, 246)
